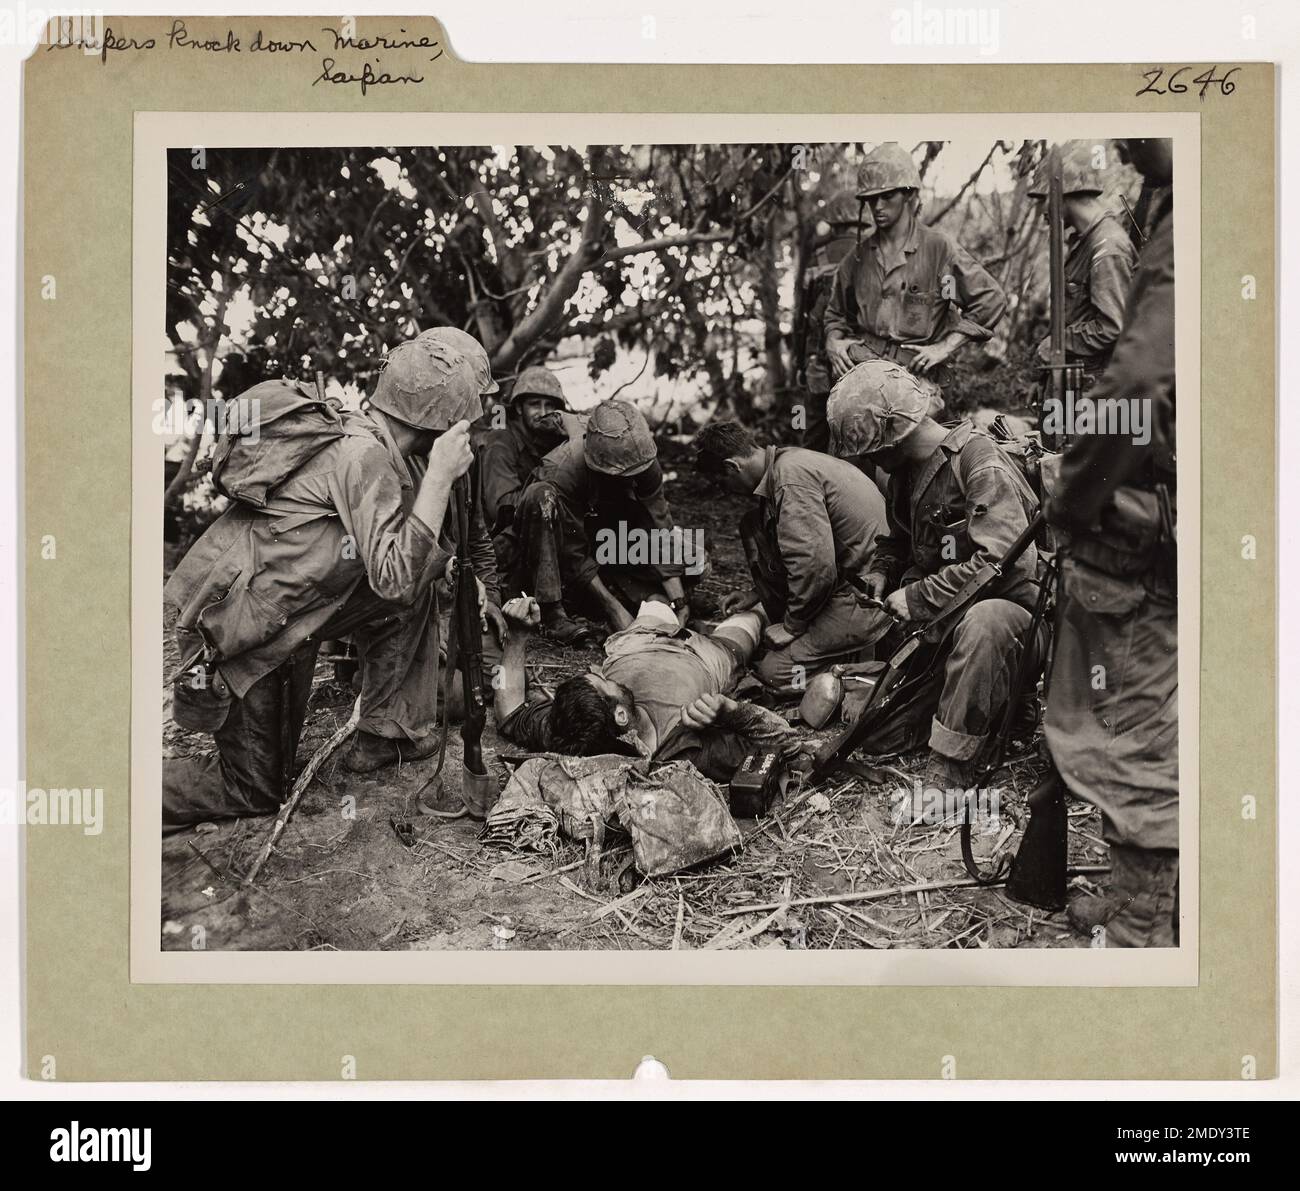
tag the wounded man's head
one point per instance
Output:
(590, 714)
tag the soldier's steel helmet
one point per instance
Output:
(426, 383)
(618, 441)
(876, 405)
(844, 209)
(465, 343)
(538, 382)
(887, 167)
(1078, 173)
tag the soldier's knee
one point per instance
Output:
(538, 499)
(775, 668)
(993, 622)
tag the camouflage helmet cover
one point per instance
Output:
(617, 441)
(469, 347)
(538, 382)
(876, 405)
(887, 167)
(429, 385)
(1078, 173)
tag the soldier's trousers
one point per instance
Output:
(843, 630)
(979, 671)
(398, 648)
(1112, 707)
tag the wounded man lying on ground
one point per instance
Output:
(660, 693)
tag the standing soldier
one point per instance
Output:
(335, 527)
(838, 233)
(909, 293)
(1098, 265)
(1112, 707)
(588, 500)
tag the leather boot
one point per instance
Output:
(370, 752)
(1139, 906)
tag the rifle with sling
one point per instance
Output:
(903, 662)
(478, 788)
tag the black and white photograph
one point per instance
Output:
(671, 547)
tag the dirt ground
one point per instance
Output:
(341, 878)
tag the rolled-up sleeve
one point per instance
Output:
(981, 301)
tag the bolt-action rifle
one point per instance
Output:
(478, 788)
(918, 653)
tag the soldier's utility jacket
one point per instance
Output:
(1105, 477)
(506, 460)
(640, 499)
(260, 581)
(823, 516)
(903, 300)
(961, 508)
(1098, 273)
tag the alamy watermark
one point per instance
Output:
(35, 806)
(26, 23)
(923, 24)
(632, 546)
(1076, 415)
(240, 416)
(948, 807)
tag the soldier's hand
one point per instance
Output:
(927, 358)
(896, 605)
(873, 587)
(1044, 351)
(738, 601)
(523, 611)
(450, 454)
(837, 351)
(497, 623)
(705, 711)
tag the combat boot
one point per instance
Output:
(559, 627)
(1139, 908)
(370, 752)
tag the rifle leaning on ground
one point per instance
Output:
(903, 663)
(478, 788)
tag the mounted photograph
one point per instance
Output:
(560, 547)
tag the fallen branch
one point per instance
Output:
(876, 894)
(321, 755)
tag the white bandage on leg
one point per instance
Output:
(744, 630)
(656, 612)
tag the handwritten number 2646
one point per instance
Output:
(1205, 80)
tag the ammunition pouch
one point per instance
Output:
(1131, 539)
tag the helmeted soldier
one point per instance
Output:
(594, 518)
(909, 293)
(954, 502)
(335, 528)
(1112, 708)
(1099, 263)
(507, 459)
